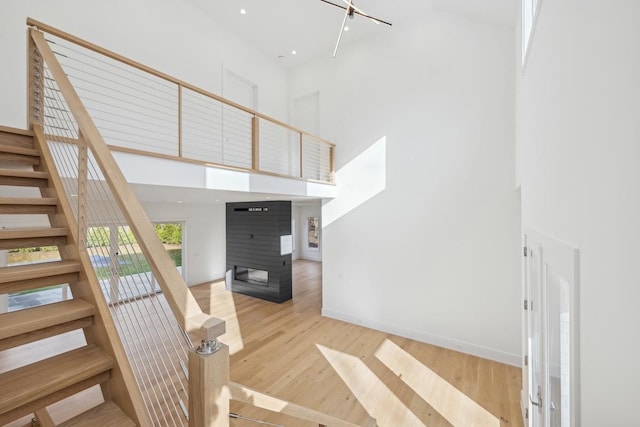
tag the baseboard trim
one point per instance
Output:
(464, 347)
(214, 278)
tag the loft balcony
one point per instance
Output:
(167, 133)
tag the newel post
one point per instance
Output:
(209, 385)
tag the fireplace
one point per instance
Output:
(259, 246)
(252, 276)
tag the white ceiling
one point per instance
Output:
(311, 27)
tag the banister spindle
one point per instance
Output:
(179, 120)
(83, 173)
(301, 157)
(332, 164)
(255, 143)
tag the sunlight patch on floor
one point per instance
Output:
(380, 402)
(458, 408)
(225, 308)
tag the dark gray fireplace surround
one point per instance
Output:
(255, 260)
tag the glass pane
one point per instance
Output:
(559, 350)
(170, 234)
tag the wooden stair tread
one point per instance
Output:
(7, 130)
(14, 149)
(32, 382)
(23, 178)
(32, 237)
(107, 414)
(31, 233)
(19, 173)
(35, 271)
(28, 205)
(29, 320)
(32, 201)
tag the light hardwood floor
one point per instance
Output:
(291, 352)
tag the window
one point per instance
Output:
(529, 13)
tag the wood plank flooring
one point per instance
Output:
(290, 351)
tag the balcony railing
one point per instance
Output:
(141, 110)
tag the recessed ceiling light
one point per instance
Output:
(179, 201)
(293, 52)
(243, 12)
(346, 28)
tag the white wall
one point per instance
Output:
(204, 239)
(169, 35)
(423, 237)
(295, 216)
(579, 141)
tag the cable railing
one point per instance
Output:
(152, 338)
(279, 149)
(313, 159)
(138, 109)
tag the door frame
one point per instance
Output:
(564, 259)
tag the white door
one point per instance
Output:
(550, 371)
(236, 124)
(306, 116)
(533, 306)
(306, 113)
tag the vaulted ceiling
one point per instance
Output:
(311, 27)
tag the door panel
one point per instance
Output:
(551, 322)
(535, 337)
(559, 329)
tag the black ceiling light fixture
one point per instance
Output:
(350, 12)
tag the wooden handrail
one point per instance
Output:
(255, 398)
(88, 45)
(182, 302)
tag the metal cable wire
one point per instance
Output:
(138, 110)
(159, 84)
(57, 120)
(69, 163)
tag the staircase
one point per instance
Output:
(28, 389)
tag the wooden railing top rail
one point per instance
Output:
(88, 45)
(255, 398)
(182, 302)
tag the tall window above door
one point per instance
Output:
(529, 13)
